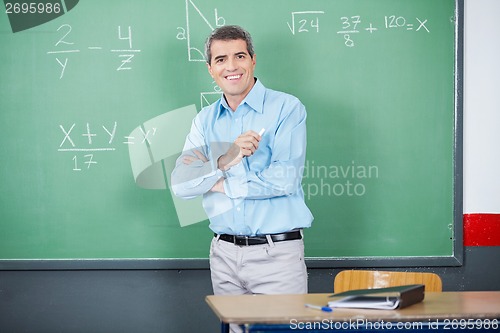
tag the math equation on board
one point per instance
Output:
(84, 141)
(65, 48)
(303, 22)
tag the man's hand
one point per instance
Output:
(244, 145)
(219, 186)
(188, 159)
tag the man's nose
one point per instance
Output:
(231, 64)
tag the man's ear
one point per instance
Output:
(209, 69)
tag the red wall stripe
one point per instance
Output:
(481, 229)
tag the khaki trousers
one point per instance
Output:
(274, 268)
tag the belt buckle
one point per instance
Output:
(237, 240)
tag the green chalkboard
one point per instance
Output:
(380, 80)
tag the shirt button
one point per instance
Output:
(238, 208)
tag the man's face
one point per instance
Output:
(232, 68)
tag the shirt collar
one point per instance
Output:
(254, 99)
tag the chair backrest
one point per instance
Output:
(364, 279)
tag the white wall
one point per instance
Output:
(482, 106)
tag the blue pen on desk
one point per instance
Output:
(317, 307)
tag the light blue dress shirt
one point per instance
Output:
(263, 193)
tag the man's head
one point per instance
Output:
(227, 33)
(231, 62)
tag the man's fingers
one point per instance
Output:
(252, 134)
(188, 159)
(247, 152)
(200, 156)
(248, 141)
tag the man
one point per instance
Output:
(245, 154)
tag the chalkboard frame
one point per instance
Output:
(456, 259)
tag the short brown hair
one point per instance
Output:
(228, 32)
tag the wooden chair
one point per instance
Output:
(364, 279)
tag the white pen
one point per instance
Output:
(317, 307)
(262, 131)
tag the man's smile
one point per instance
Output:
(233, 77)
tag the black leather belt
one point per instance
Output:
(259, 240)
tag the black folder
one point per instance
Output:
(379, 298)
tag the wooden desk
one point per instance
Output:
(446, 309)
